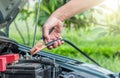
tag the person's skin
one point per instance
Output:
(66, 11)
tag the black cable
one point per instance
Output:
(74, 46)
(83, 53)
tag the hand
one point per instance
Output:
(56, 25)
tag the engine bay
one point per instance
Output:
(45, 64)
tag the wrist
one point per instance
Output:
(59, 16)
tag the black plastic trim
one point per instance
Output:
(1, 18)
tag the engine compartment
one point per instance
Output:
(46, 65)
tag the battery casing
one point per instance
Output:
(27, 70)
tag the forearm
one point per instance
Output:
(73, 7)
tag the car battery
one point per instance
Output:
(27, 70)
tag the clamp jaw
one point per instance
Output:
(39, 46)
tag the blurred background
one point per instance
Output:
(95, 31)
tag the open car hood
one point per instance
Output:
(9, 10)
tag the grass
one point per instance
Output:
(104, 49)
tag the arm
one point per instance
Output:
(73, 7)
(66, 11)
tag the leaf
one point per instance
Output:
(44, 8)
(42, 21)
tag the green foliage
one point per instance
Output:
(25, 14)
(93, 17)
(102, 49)
(106, 46)
(107, 20)
(47, 7)
(81, 20)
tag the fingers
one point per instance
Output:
(53, 37)
(46, 37)
(55, 33)
(56, 43)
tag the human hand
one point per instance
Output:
(55, 25)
